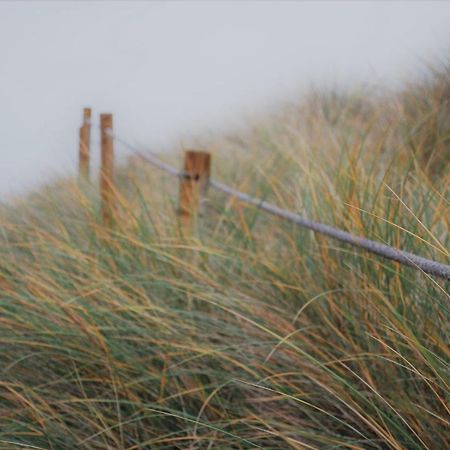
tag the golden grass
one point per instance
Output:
(253, 333)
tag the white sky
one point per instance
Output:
(164, 68)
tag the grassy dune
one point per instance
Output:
(253, 333)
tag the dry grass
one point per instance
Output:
(254, 333)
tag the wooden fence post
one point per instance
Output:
(107, 169)
(197, 166)
(85, 141)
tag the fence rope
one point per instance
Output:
(406, 258)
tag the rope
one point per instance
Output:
(408, 259)
(150, 158)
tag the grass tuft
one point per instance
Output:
(252, 333)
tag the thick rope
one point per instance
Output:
(408, 259)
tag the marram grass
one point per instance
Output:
(252, 333)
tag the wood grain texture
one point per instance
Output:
(197, 167)
(85, 141)
(107, 170)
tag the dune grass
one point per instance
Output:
(252, 333)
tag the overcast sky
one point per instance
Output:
(164, 68)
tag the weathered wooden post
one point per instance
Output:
(85, 143)
(197, 167)
(107, 169)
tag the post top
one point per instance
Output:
(197, 153)
(106, 120)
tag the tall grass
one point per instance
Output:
(253, 333)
